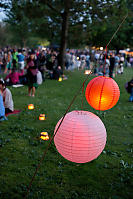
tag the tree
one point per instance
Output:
(3, 34)
(78, 22)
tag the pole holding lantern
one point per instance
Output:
(61, 121)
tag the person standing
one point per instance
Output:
(20, 57)
(32, 74)
(9, 62)
(112, 65)
(14, 58)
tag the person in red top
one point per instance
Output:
(32, 69)
(14, 77)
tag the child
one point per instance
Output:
(7, 97)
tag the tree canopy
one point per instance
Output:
(70, 23)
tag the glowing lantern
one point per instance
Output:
(44, 136)
(42, 117)
(31, 106)
(60, 79)
(81, 137)
(101, 48)
(87, 72)
(102, 93)
(77, 58)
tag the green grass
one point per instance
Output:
(110, 176)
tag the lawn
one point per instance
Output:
(110, 176)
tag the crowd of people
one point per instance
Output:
(99, 62)
(31, 67)
(47, 61)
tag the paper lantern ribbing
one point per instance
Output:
(102, 93)
(81, 137)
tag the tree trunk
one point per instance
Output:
(23, 42)
(64, 34)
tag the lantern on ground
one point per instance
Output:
(44, 136)
(87, 72)
(60, 79)
(102, 93)
(81, 137)
(101, 48)
(31, 106)
(42, 117)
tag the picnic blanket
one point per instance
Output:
(14, 112)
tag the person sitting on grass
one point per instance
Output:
(57, 72)
(130, 85)
(2, 108)
(13, 77)
(7, 97)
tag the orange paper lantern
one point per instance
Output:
(42, 117)
(102, 93)
(44, 136)
(81, 137)
(31, 106)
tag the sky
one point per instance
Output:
(2, 16)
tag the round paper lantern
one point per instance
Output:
(81, 136)
(102, 93)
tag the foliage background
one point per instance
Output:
(90, 23)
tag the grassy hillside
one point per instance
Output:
(110, 176)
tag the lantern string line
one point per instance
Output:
(105, 61)
(83, 86)
(117, 29)
(112, 39)
(45, 152)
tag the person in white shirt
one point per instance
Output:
(7, 97)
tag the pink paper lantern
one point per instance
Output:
(81, 137)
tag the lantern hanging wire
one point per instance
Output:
(82, 87)
(45, 152)
(112, 39)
